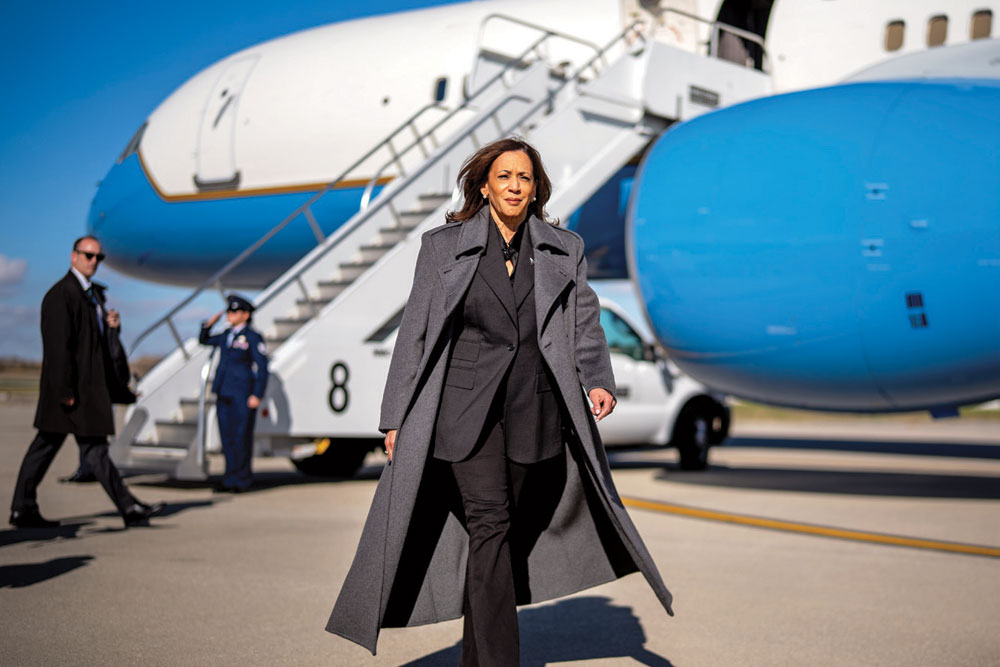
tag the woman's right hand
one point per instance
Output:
(390, 443)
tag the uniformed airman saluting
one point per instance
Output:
(239, 385)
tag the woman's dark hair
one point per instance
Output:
(476, 171)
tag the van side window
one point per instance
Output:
(937, 30)
(621, 337)
(894, 35)
(982, 24)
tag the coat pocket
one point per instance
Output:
(465, 350)
(464, 378)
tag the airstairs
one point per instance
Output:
(330, 319)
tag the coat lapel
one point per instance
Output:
(494, 271)
(524, 275)
(456, 276)
(553, 272)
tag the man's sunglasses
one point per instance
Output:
(92, 255)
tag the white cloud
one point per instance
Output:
(19, 334)
(12, 271)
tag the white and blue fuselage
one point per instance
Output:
(834, 248)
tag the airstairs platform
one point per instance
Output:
(330, 319)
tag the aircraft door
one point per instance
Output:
(666, 26)
(216, 167)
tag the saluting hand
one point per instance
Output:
(213, 319)
(390, 443)
(603, 403)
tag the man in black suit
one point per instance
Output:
(84, 371)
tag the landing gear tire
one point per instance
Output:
(342, 458)
(702, 423)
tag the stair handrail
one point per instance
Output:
(304, 208)
(201, 432)
(714, 43)
(216, 277)
(349, 227)
(546, 33)
(599, 54)
(373, 181)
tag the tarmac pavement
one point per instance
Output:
(250, 579)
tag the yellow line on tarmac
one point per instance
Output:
(809, 529)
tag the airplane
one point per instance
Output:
(332, 111)
(249, 138)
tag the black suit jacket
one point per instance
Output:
(79, 362)
(495, 357)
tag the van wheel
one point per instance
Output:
(342, 458)
(703, 422)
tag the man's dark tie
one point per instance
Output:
(92, 293)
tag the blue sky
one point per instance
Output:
(77, 80)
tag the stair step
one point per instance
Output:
(165, 452)
(309, 307)
(394, 234)
(189, 408)
(286, 326)
(427, 204)
(412, 217)
(329, 289)
(373, 251)
(173, 431)
(274, 341)
(351, 270)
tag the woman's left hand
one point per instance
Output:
(603, 403)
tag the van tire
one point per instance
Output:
(703, 422)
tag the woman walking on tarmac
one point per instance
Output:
(498, 491)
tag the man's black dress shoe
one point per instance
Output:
(31, 519)
(222, 488)
(140, 513)
(79, 478)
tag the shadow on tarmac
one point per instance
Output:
(66, 531)
(841, 482)
(907, 447)
(262, 481)
(28, 574)
(825, 480)
(584, 628)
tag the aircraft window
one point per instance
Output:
(440, 89)
(621, 337)
(937, 30)
(982, 24)
(133, 143)
(894, 35)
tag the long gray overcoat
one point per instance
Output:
(409, 568)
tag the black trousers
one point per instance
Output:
(490, 635)
(93, 450)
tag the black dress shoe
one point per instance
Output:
(79, 478)
(140, 513)
(30, 519)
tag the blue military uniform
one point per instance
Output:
(242, 372)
